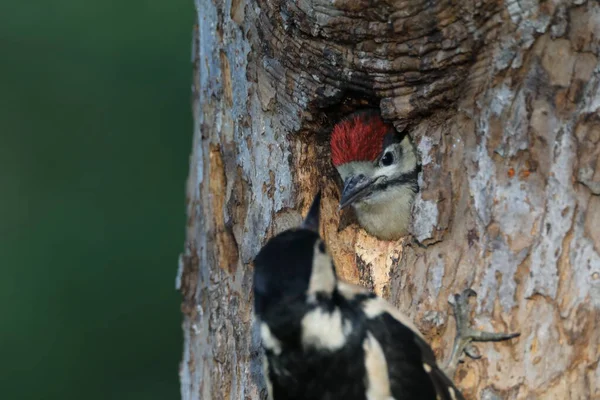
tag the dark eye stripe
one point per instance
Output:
(409, 178)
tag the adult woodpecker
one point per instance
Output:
(379, 168)
(325, 339)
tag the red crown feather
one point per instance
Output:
(358, 137)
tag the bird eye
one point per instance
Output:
(387, 159)
(322, 247)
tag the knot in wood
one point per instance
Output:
(412, 56)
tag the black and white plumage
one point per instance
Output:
(325, 339)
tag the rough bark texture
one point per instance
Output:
(502, 100)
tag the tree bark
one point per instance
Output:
(502, 101)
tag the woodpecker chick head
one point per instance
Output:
(379, 168)
(293, 267)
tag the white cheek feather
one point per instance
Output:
(390, 170)
(409, 155)
(373, 308)
(322, 329)
(269, 341)
(325, 330)
(322, 278)
(378, 380)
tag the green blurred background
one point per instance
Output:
(96, 132)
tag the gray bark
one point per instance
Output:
(502, 100)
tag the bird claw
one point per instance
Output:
(472, 351)
(465, 335)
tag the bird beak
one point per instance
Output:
(355, 188)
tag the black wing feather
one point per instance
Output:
(405, 353)
(438, 377)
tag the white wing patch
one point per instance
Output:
(377, 306)
(452, 392)
(266, 376)
(325, 330)
(269, 341)
(378, 380)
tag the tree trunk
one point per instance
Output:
(502, 101)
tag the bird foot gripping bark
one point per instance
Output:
(465, 334)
